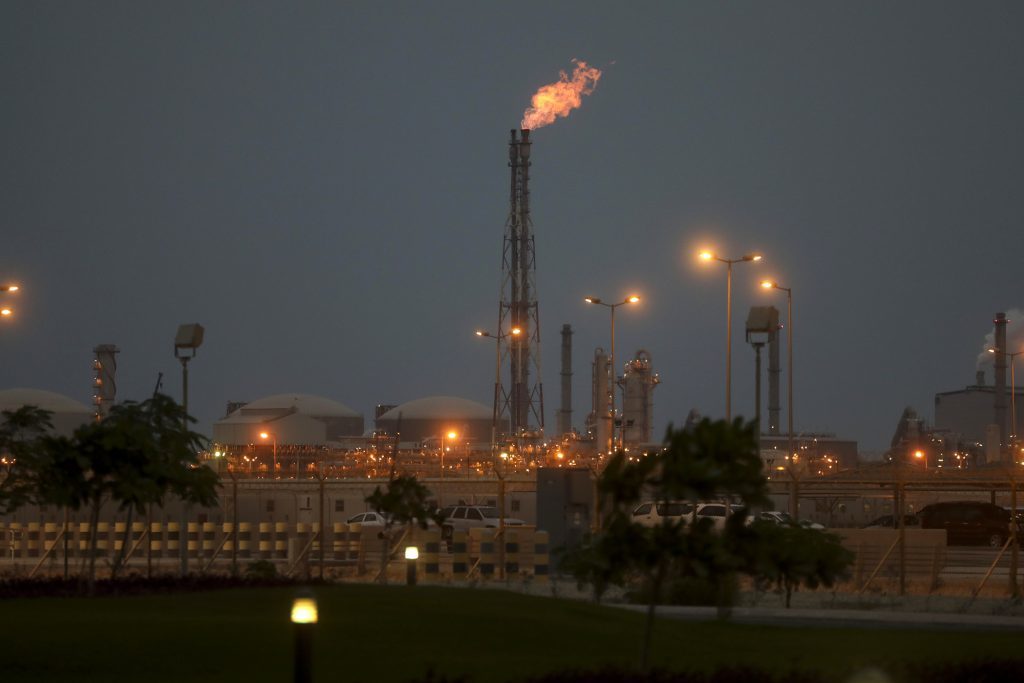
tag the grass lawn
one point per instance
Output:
(373, 633)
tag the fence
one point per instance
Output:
(298, 547)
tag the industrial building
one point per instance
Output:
(297, 419)
(433, 417)
(67, 413)
(969, 412)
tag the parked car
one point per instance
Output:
(652, 514)
(463, 517)
(889, 522)
(775, 517)
(368, 519)
(968, 522)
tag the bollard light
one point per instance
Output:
(412, 553)
(304, 616)
(304, 611)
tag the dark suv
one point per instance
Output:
(968, 522)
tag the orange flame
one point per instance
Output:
(561, 97)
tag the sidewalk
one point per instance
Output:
(842, 618)
(821, 607)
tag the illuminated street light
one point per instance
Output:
(265, 436)
(711, 256)
(771, 284)
(496, 462)
(922, 456)
(633, 299)
(515, 331)
(7, 312)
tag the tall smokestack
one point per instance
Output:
(565, 413)
(524, 397)
(773, 381)
(1000, 375)
(601, 396)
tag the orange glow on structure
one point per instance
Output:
(561, 97)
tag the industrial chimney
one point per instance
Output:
(565, 412)
(773, 381)
(601, 396)
(1000, 376)
(523, 399)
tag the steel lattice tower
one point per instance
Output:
(523, 398)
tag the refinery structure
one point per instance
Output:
(296, 435)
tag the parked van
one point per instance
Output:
(968, 522)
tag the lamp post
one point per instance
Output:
(710, 256)
(769, 284)
(499, 471)
(922, 456)
(6, 312)
(265, 436)
(451, 435)
(515, 331)
(187, 340)
(628, 300)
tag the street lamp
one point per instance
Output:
(515, 331)
(451, 435)
(265, 436)
(188, 339)
(1013, 395)
(628, 300)
(921, 455)
(711, 256)
(6, 312)
(499, 471)
(769, 284)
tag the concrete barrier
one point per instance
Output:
(460, 554)
(541, 556)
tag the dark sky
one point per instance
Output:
(324, 187)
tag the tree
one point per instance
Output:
(135, 456)
(23, 448)
(790, 555)
(707, 461)
(402, 503)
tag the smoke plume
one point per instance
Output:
(1014, 339)
(561, 97)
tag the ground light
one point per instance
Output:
(304, 616)
(412, 553)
